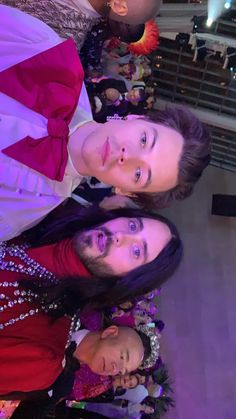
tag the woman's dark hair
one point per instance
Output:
(194, 159)
(103, 292)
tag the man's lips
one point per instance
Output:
(105, 151)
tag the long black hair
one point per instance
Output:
(102, 292)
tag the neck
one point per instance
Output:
(86, 349)
(100, 6)
(75, 147)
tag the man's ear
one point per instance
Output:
(111, 331)
(119, 7)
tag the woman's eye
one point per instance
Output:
(143, 140)
(137, 174)
(132, 226)
(136, 252)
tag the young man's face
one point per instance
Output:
(134, 155)
(118, 351)
(121, 245)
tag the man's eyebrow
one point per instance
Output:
(145, 247)
(140, 222)
(154, 138)
(127, 356)
(149, 176)
(149, 179)
(145, 251)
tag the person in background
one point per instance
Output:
(91, 51)
(75, 18)
(48, 378)
(110, 97)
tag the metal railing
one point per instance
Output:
(202, 85)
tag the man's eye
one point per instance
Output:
(136, 252)
(143, 140)
(132, 226)
(137, 174)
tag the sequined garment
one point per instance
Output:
(11, 294)
(47, 263)
(68, 23)
(33, 341)
(27, 265)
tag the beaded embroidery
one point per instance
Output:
(32, 268)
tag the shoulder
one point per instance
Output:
(22, 36)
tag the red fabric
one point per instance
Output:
(59, 258)
(32, 350)
(50, 84)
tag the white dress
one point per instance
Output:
(26, 196)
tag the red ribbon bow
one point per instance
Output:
(50, 84)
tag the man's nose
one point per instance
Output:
(129, 155)
(120, 238)
(115, 368)
(122, 155)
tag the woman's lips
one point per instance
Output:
(105, 151)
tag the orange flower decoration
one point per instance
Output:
(149, 41)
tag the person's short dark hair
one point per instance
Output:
(125, 32)
(194, 158)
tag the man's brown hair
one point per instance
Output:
(194, 158)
